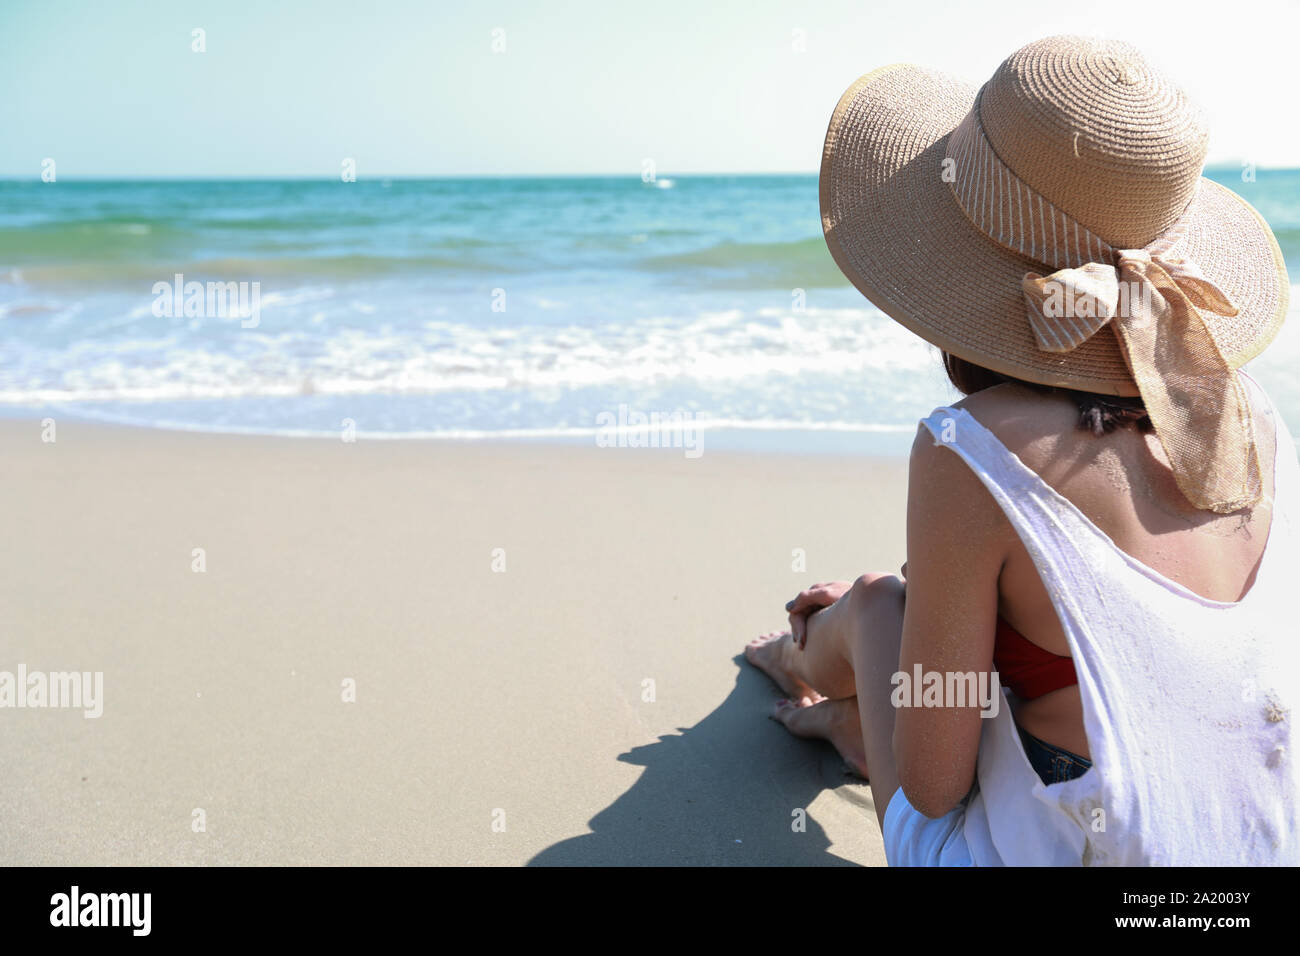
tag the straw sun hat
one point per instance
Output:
(1054, 226)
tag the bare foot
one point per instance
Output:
(768, 654)
(833, 720)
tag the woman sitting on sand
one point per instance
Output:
(1108, 519)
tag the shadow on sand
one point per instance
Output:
(721, 792)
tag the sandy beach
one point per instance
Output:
(583, 702)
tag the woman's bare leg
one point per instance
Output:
(852, 651)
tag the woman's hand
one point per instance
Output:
(809, 601)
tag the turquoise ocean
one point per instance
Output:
(477, 308)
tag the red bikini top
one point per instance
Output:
(1026, 668)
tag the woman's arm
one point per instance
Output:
(957, 541)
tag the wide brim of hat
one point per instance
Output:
(897, 232)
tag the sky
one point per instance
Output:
(586, 87)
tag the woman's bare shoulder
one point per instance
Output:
(1035, 425)
(944, 492)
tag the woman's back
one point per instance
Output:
(1122, 482)
(1184, 698)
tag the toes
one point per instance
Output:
(763, 640)
(786, 708)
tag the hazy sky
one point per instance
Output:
(414, 88)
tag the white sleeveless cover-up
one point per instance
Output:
(1188, 703)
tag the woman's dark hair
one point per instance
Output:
(1098, 414)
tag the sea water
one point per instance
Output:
(474, 308)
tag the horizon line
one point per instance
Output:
(379, 177)
(422, 177)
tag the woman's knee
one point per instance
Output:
(878, 587)
(877, 606)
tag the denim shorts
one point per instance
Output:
(1052, 764)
